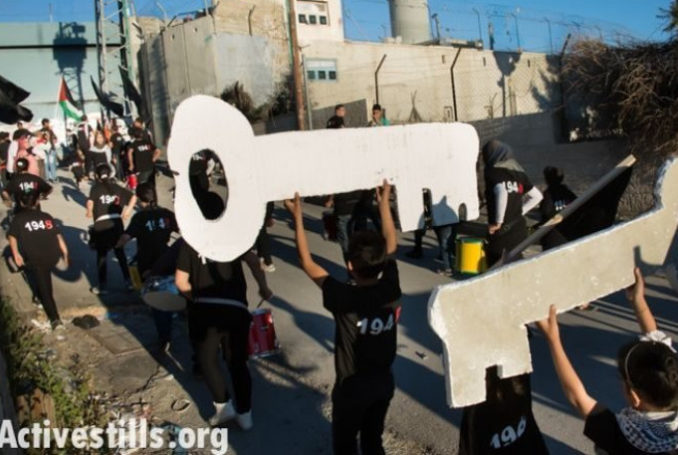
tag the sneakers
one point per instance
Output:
(224, 412)
(58, 325)
(96, 290)
(267, 267)
(445, 272)
(245, 420)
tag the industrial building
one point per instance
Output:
(412, 76)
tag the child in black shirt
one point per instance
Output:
(504, 423)
(218, 317)
(649, 371)
(108, 204)
(24, 182)
(36, 243)
(366, 318)
(152, 227)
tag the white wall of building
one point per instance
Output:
(416, 80)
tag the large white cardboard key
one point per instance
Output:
(481, 321)
(440, 157)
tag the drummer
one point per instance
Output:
(152, 227)
(218, 316)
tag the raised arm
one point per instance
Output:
(574, 389)
(388, 229)
(314, 271)
(127, 211)
(90, 208)
(636, 296)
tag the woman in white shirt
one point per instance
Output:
(100, 152)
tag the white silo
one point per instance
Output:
(410, 20)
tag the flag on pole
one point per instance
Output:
(108, 100)
(67, 102)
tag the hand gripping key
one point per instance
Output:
(440, 157)
(481, 321)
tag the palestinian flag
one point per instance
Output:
(67, 102)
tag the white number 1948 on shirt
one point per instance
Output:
(37, 225)
(376, 326)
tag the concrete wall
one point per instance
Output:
(248, 60)
(416, 80)
(206, 55)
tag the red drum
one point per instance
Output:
(132, 181)
(263, 342)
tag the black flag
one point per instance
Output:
(132, 93)
(599, 212)
(107, 100)
(10, 97)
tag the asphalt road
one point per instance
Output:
(291, 391)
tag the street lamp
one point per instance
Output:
(548, 22)
(515, 18)
(480, 29)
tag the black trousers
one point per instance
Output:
(41, 278)
(102, 263)
(359, 406)
(146, 177)
(214, 326)
(263, 246)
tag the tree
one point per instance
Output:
(670, 15)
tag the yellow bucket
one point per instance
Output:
(135, 277)
(470, 256)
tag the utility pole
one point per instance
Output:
(116, 13)
(296, 67)
(436, 19)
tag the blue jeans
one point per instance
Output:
(344, 230)
(50, 164)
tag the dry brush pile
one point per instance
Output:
(629, 89)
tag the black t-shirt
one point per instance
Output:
(118, 144)
(109, 199)
(602, 428)
(366, 323)
(223, 280)
(152, 228)
(26, 183)
(36, 233)
(556, 198)
(83, 135)
(516, 184)
(503, 427)
(142, 154)
(345, 203)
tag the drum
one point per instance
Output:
(470, 256)
(263, 341)
(132, 181)
(161, 293)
